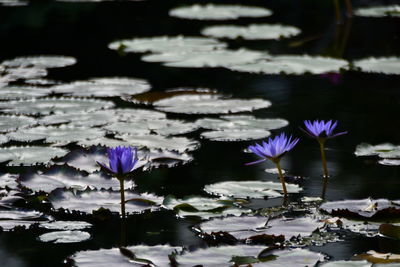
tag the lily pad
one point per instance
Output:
(30, 155)
(347, 264)
(43, 62)
(209, 104)
(61, 135)
(218, 12)
(158, 255)
(88, 201)
(203, 59)
(292, 64)
(381, 150)
(376, 257)
(24, 73)
(63, 177)
(22, 92)
(378, 11)
(241, 122)
(246, 227)
(167, 44)
(223, 256)
(250, 189)
(251, 32)
(65, 225)
(235, 135)
(12, 218)
(12, 123)
(47, 106)
(196, 206)
(3, 139)
(63, 237)
(84, 119)
(13, 3)
(103, 87)
(9, 181)
(385, 65)
(366, 208)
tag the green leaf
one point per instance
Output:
(185, 207)
(240, 260)
(390, 230)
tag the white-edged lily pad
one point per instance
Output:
(251, 32)
(378, 11)
(385, 65)
(12, 123)
(224, 255)
(22, 92)
(62, 237)
(45, 106)
(293, 64)
(12, 218)
(204, 59)
(218, 12)
(30, 155)
(209, 104)
(158, 255)
(245, 227)
(203, 207)
(241, 122)
(65, 225)
(236, 135)
(250, 189)
(103, 87)
(89, 201)
(61, 135)
(389, 153)
(84, 119)
(167, 44)
(43, 62)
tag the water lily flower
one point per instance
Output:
(274, 149)
(121, 161)
(321, 130)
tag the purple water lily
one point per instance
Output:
(274, 148)
(122, 160)
(321, 129)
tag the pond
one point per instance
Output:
(192, 85)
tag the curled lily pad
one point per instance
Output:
(366, 208)
(292, 64)
(103, 87)
(212, 59)
(47, 106)
(63, 177)
(251, 32)
(12, 218)
(208, 104)
(88, 201)
(58, 237)
(378, 11)
(30, 155)
(61, 135)
(249, 189)
(12, 123)
(167, 44)
(376, 257)
(40, 62)
(226, 255)
(385, 65)
(22, 92)
(235, 135)
(247, 227)
(203, 207)
(65, 225)
(141, 254)
(218, 12)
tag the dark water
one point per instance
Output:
(367, 105)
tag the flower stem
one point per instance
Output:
(337, 11)
(323, 158)
(349, 8)
(122, 191)
(278, 166)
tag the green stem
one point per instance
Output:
(323, 158)
(122, 191)
(349, 8)
(278, 166)
(337, 11)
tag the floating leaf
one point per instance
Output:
(292, 64)
(13, 74)
(9, 181)
(85, 119)
(235, 135)
(13, 3)
(375, 150)
(203, 59)
(65, 225)
(376, 257)
(385, 65)
(167, 44)
(3, 139)
(390, 230)
(390, 162)
(22, 92)
(218, 12)
(208, 104)
(378, 11)
(158, 255)
(58, 237)
(347, 264)
(12, 218)
(46, 106)
(12, 123)
(250, 189)
(241, 122)
(103, 87)
(43, 62)
(93, 200)
(251, 32)
(30, 155)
